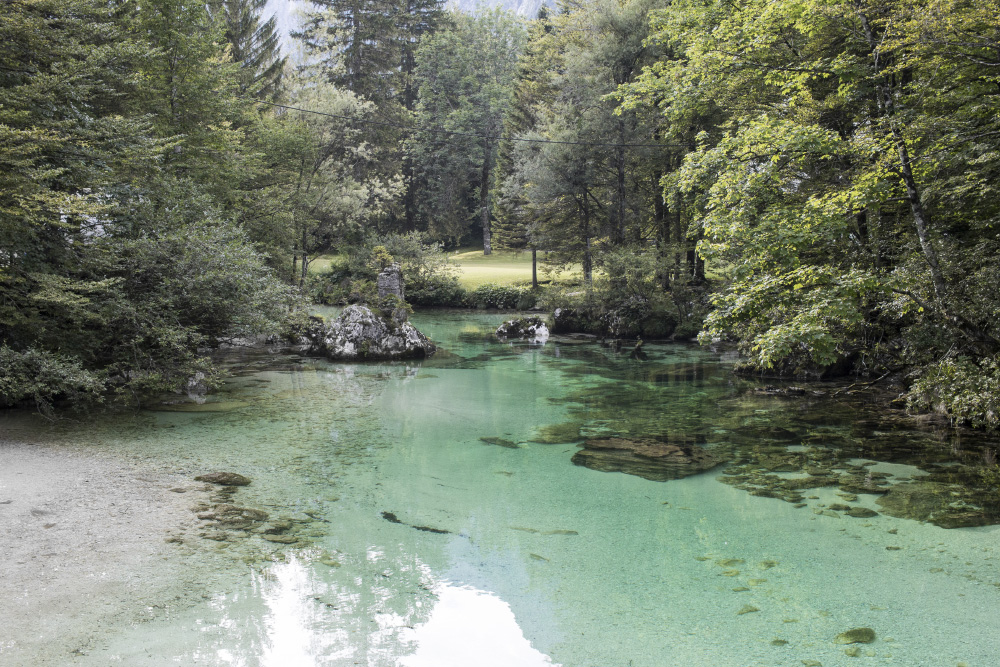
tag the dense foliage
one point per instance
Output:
(824, 167)
(842, 181)
(126, 162)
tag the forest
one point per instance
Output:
(810, 180)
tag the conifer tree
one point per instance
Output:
(255, 46)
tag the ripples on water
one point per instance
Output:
(434, 518)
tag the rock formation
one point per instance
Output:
(390, 281)
(532, 329)
(362, 333)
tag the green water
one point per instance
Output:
(422, 545)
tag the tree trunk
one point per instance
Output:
(921, 220)
(305, 260)
(678, 245)
(484, 199)
(588, 261)
(619, 228)
(409, 196)
(534, 268)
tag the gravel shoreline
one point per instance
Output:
(88, 542)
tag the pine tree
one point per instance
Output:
(368, 47)
(255, 46)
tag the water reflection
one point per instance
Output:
(290, 620)
(471, 627)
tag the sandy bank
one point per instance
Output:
(87, 542)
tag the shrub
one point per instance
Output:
(428, 279)
(437, 291)
(43, 378)
(502, 297)
(965, 390)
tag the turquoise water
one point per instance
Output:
(419, 544)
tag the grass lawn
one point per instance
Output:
(322, 263)
(503, 268)
(474, 268)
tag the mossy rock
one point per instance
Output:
(856, 636)
(649, 459)
(233, 517)
(932, 502)
(224, 479)
(861, 513)
(277, 527)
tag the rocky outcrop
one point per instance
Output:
(361, 333)
(390, 281)
(532, 329)
(650, 459)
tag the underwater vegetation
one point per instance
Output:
(774, 444)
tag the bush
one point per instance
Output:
(43, 378)
(437, 291)
(428, 279)
(631, 304)
(965, 390)
(502, 297)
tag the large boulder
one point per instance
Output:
(651, 459)
(532, 329)
(361, 333)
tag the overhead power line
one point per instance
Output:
(455, 133)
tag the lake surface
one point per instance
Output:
(435, 517)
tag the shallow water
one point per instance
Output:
(420, 544)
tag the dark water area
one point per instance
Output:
(560, 503)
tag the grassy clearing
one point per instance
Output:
(501, 268)
(474, 268)
(322, 263)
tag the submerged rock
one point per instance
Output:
(937, 503)
(861, 513)
(856, 636)
(232, 515)
(501, 442)
(361, 333)
(224, 479)
(532, 329)
(650, 459)
(558, 434)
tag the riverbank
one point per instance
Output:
(88, 542)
